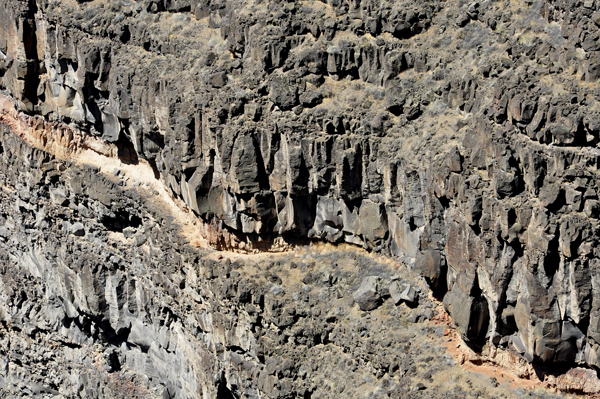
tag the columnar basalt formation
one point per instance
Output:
(102, 296)
(460, 138)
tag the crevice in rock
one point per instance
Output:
(439, 288)
(552, 259)
(71, 345)
(223, 392)
(126, 151)
(121, 220)
(30, 42)
(479, 318)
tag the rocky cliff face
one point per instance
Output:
(102, 296)
(458, 137)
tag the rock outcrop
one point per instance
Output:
(459, 138)
(101, 296)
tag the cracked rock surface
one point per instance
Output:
(459, 137)
(102, 297)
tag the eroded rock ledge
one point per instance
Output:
(68, 143)
(101, 295)
(461, 138)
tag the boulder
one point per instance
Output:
(403, 292)
(367, 296)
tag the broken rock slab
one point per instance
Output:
(401, 291)
(367, 296)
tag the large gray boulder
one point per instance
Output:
(367, 295)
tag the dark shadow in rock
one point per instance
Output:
(552, 259)
(223, 392)
(479, 319)
(154, 167)
(441, 286)
(126, 151)
(120, 221)
(30, 42)
(558, 203)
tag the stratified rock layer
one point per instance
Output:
(459, 137)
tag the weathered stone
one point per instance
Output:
(284, 122)
(373, 222)
(403, 292)
(506, 184)
(77, 229)
(367, 296)
(429, 265)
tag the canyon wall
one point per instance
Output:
(460, 138)
(102, 295)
